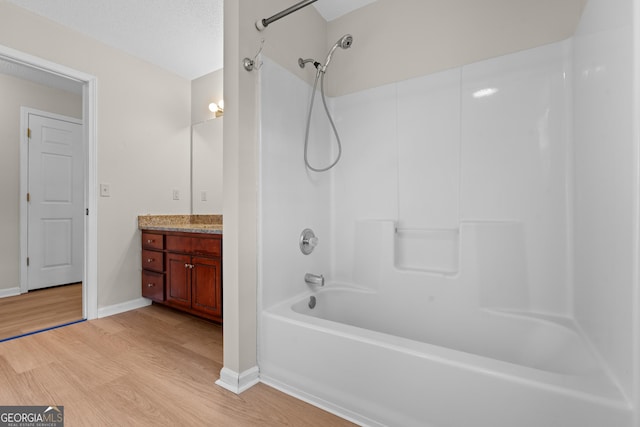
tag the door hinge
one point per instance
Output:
(87, 211)
(27, 261)
(29, 133)
(28, 197)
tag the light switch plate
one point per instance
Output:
(105, 190)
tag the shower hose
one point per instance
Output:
(320, 76)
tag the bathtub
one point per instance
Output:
(424, 364)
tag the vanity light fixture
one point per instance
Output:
(217, 109)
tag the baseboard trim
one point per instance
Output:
(11, 292)
(237, 383)
(110, 310)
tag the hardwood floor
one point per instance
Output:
(148, 367)
(41, 309)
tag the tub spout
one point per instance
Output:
(314, 279)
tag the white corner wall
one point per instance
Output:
(606, 184)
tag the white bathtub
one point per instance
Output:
(421, 364)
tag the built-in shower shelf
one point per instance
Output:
(429, 250)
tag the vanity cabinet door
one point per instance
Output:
(206, 286)
(178, 271)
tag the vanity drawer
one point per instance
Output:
(194, 245)
(211, 247)
(152, 241)
(153, 285)
(153, 260)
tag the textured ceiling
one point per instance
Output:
(182, 36)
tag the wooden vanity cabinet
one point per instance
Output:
(192, 273)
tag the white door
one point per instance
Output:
(55, 201)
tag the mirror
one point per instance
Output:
(206, 145)
(206, 167)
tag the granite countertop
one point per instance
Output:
(209, 224)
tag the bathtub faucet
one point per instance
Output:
(314, 279)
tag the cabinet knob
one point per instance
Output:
(150, 241)
(150, 285)
(149, 259)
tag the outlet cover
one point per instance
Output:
(176, 194)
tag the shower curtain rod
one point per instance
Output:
(261, 24)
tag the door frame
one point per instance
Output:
(89, 130)
(24, 184)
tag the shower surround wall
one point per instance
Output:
(428, 153)
(437, 151)
(538, 144)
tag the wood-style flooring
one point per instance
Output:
(41, 309)
(148, 367)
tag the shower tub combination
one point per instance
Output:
(456, 306)
(432, 359)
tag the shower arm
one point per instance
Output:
(261, 24)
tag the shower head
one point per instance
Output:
(345, 42)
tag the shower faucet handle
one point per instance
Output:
(308, 241)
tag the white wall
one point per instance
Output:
(143, 139)
(17, 93)
(399, 39)
(606, 183)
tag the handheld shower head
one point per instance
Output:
(345, 42)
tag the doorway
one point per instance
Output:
(89, 222)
